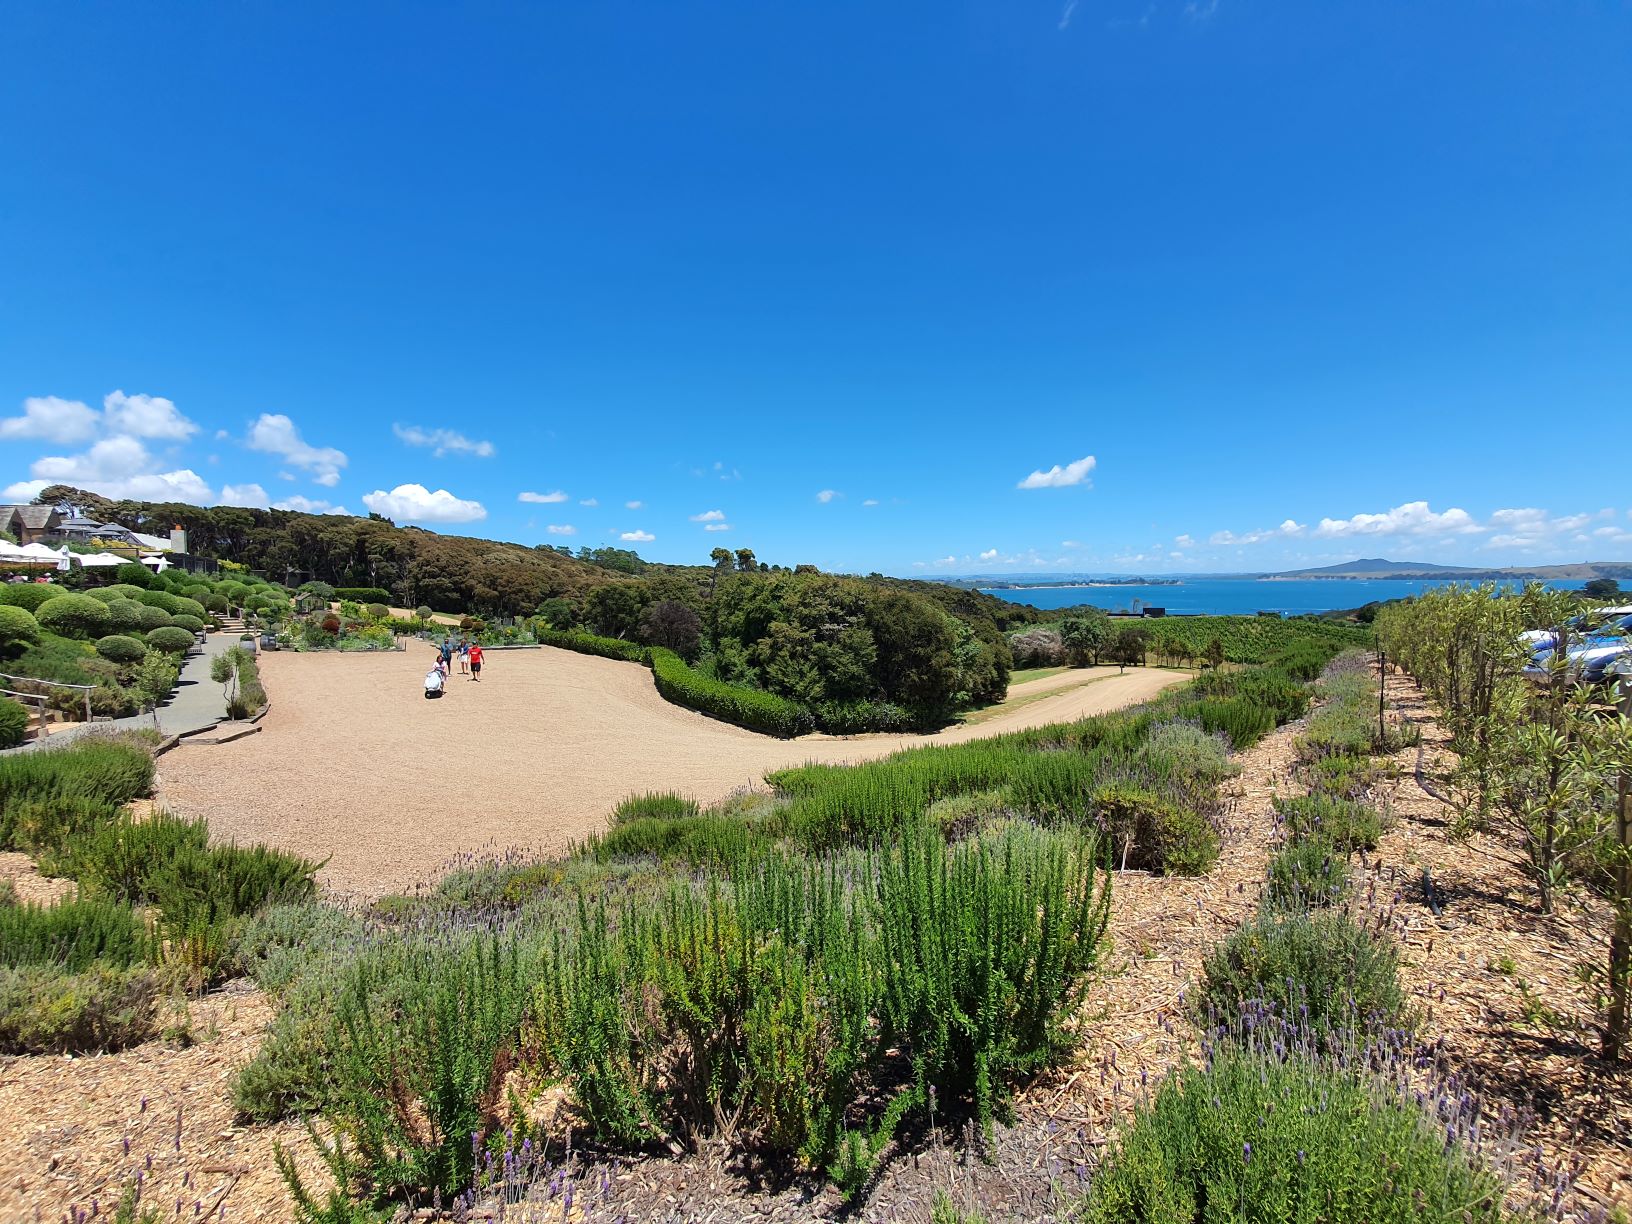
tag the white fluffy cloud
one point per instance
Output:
(1411, 518)
(991, 554)
(716, 526)
(871, 501)
(307, 505)
(589, 501)
(826, 495)
(637, 537)
(542, 499)
(416, 503)
(275, 434)
(1288, 529)
(251, 496)
(561, 529)
(1057, 477)
(51, 419)
(709, 516)
(121, 467)
(145, 416)
(443, 441)
(634, 505)
(1184, 541)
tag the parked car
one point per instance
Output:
(1587, 622)
(1595, 661)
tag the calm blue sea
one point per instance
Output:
(1232, 596)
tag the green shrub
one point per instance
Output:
(421, 1047)
(215, 604)
(1347, 824)
(153, 618)
(1306, 873)
(423, 612)
(171, 640)
(363, 595)
(1242, 718)
(14, 720)
(49, 796)
(1151, 832)
(664, 805)
(192, 624)
(72, 935)
(156, 677)
(712, 841)
(17, 627)
(1254, 1139)
(29, 595)
(377, 611)
(588, 643)
(1322, 961)
(74, 616)
(746, 707)
(189, 607)
(127, 616)
(118, 858)
(46, 1011)
(135, 574)
(118, 648)
(169, 604)
(860, 717)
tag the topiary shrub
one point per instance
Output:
(121, 648)
(17, 627)
(134, 574)
(153, 618)
(1322, 970)
(189, 607)
(160, 599)
(182, 620)
(377, 611)
(171, 640)
(423, 612)
(125, 616)
(215, 604)
(14, 718)
(28, 595)
(74, 616)
(330, 623)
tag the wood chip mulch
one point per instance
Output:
(1500, 982)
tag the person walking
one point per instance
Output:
(464, 654)
(475, 661)
(446, 653)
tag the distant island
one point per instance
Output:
(1358, 570)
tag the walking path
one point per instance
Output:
(195, 703)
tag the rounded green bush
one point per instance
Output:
(134, 574)
(74, 616)
(171, 640)
(121, 648)
(192, 624)
(423, 612)
(153, 618)
(119, 590)
(125, 615)
(1307, 873)
(17, 626)
(14, 718)
(378, 611)
(161, 599)
(215, 603)
(1344, 974)
(189, 607)
(28, 595)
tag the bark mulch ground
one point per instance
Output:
(1500, 982)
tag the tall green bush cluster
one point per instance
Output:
(791, 990)
(732, 703)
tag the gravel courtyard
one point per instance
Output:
(354, 765)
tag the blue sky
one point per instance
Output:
(1230, 285)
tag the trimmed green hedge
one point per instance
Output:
(363, 595)
(751, 708)
(606, 648)
(746, 707)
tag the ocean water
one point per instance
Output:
(1232, 596)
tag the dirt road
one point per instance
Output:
(354, 765)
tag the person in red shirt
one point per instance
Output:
(475, 661)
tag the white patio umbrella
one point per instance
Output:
(92, 560)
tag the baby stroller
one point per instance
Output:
(433, 683)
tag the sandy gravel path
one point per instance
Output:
(354, 765)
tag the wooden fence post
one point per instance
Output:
(1620, 940)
